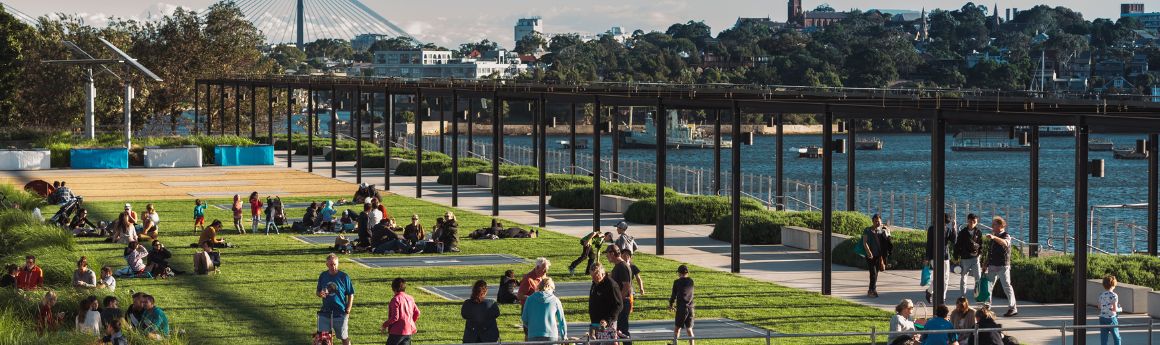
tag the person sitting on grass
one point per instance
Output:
(113, 334)
(83, 277)
(449, 233)
(29, 276)
(159, 260)
(154, 322)
(110, 312)
(136, 310)
(414, 235)
(901, 323)
(327, 213)
(107, 281)
(9, 278)
(508, 287)
(135, 255)
(363, 228)
(378, 206)
(310, 218)
(384, 240)
(209, 235)
(940, 323)
(81, 226)
(46, 319)
(149, 223)
(88, 318)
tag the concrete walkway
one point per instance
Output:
(770, 263)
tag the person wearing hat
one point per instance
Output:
(131, 214)
(681, 302)
(625, 241)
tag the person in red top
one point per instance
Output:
(46, 320)
(255, 211)
(402, 315)
(378, 205)
(29, 276)
(531, 282)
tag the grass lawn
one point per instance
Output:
(265, 291)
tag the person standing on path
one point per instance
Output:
(681, 302)
(337, 293)
(875, 241)
(968, 247)
(589, 244)
(237, 208)
(625, 241)
(999, 263)
(479, 314)
(1109, 312)
(604, 298)
(949, 226)
(622, 275)
(402, 315)
(255, 212)
(531, 281)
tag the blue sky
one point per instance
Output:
(450, 22)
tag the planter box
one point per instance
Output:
(99, 158)
(395, 162)
(175, 157)
(808, 239)
(484, 180)
(1154, 304)
(615, 203)
(25, 159)
(228, 155)
(1133, 298)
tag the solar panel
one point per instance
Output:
(130, 60)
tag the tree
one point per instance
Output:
(481, 46)
(824, 8)
(395, 43)
(288, 56)
(12, 32)
(330, 48)
(531, 44)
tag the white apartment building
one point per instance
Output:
(440, 64)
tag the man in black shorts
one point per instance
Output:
(622, 276)
(681, 301)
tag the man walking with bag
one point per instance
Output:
(931, 247)
(999, 263)
(876, 245)
(968, 247)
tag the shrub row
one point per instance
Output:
(764, 226)
(909, 251)
(302, 147)
(375, 159)
(525, 185)
(581, 197)
(692, 209)
(435, 167)
(467, 173)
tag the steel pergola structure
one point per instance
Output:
(938, 108)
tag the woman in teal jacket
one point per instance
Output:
(543, 315)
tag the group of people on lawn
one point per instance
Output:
(610, 303)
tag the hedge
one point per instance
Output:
(351, 154)
(693, 209)
(764, 226)
(302, 147)
(430, 167)
(1049, 279)
(375, 159)
(467, 173)
(526, 185)
(581, 197)
(909, 251)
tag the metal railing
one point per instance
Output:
(873, 335)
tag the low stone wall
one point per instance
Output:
(615, 203)
(808, 239)
(484, 179)
(1133, 298)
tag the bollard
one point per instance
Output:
(874, 335)
(1063, 334)
(769, 337)
(976, 338)
(1151, 321)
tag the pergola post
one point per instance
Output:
(735, 191)
(356, 117)
(662, 176)
(615, 174)
(938, 138)
(455, 149)
(442, 123)
(572, 142)
(1033, 193)
(717, 151)
(334, 105)
(779, 166)
(289, 127)
(1153, 183)
(827, 198)
(222, 109)
(270, 114)
(596, 164)
(470, 127)
(851, 163)
(496, 143)
(1079, 314)
(253, 112)
(542, 156)
(196, 106)
(420, 110)
(237, 110)
(311, 115)
(389, 124)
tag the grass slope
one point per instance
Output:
(264, 293)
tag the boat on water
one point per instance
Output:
(1050, 131)
(874, 144)
(580, 144)
(986, 141)
(680, 135)
(1100, 144)
(810, 152)
(1128, 153)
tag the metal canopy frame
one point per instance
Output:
(937, 107)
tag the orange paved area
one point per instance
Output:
(185, 183)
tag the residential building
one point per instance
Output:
(974, 58)
(821, 19)
(766, 22)
(440, 64)
(526, 26)
(363, 42)
(1150, 20)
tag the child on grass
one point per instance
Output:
(681, 302)
(198, 215)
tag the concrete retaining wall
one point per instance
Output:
(615, 203)
(808, 239)
(1133, 298)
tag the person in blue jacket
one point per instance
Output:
(939, 322)
(543, 315)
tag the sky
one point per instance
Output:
(451, 22)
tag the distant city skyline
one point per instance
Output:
(451, 23)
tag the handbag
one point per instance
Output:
(984, 289)
(924, 278)
(859, 248)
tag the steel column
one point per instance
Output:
(289, 127)
(455, 149)
(735, 190)
(662, 166)
(851, 163)
(542, 157)
(596, 164)
(356, 114)
(471, 127)
(388, 137)
(334, 105)
(420, 110)
(222, 118)
(615, 131)
(442, 122)
(827, 198)
(572, 142)
(208, 108)
(717, 152)
(253, 112)
(496, 143)
(311, 115)
(1153, 183)
(938, 197)
(1033, 193)
(237, 110)
(196, 106)
(270, 115)
(1079, 287)
(779, 166)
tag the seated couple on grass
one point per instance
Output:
(147, 263)
(384, 239)
(496, 231)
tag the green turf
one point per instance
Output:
(264, 292)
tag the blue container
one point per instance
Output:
(99, 158)
(229, 155)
